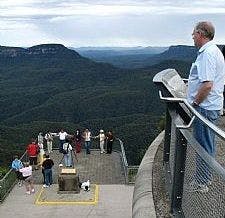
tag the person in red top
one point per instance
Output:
(32, 151)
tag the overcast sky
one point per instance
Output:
(107, 23)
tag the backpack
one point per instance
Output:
(65, 151)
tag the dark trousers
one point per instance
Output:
(109, 147)
(48, 176)
(61, 142)
(33, 160)
(43, 173)
(87, 145)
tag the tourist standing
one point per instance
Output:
(49, 140)
(27, 177)
(62, 138)
(87, 140)
(40, 154)
(67, 151)
(47, 168)
(77, 140)
(110, 139)
(102, 138)
(32, 151)
(205, 94)
(16, 166)
(40, 138)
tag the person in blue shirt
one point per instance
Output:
(16, 166)
(205, 94)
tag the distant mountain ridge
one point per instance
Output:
(119, 51)
(139, 57)
(42, 49)
(136, 59)
(179, 52)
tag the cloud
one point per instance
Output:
(30, 8)
(90, 22)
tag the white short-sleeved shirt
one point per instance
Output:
(26, 171)
(87, 136)
(209, 66)
(101, 137)
(62, 135)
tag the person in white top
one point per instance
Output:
(41, 148)
(27, 177)
(205, 94)
(41, 154)
(40, 138)
(101, 137)
(49, 140)
(87, 140)
(67, 151)
(62, 138)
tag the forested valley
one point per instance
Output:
(49, 87)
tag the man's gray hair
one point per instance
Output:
(206, 28)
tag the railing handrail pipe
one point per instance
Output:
(212, 126)
(123, 152)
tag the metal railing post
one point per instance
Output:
(166, 150)
(179, 169)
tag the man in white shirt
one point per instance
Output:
(102, 138)
(62, 138)
(205, 93)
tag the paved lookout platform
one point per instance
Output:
(108, 196)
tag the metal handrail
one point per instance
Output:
(212, 126)
(219, 132)
(123, 152)
(124, 159)
(187, 126)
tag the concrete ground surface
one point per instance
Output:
(98, 168)
(113, 201)
(114, 198)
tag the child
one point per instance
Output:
(27, 177)
(16, 166)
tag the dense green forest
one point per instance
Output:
(49, 87)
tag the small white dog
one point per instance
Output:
(86, 186)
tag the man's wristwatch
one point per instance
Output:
(194, 104)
